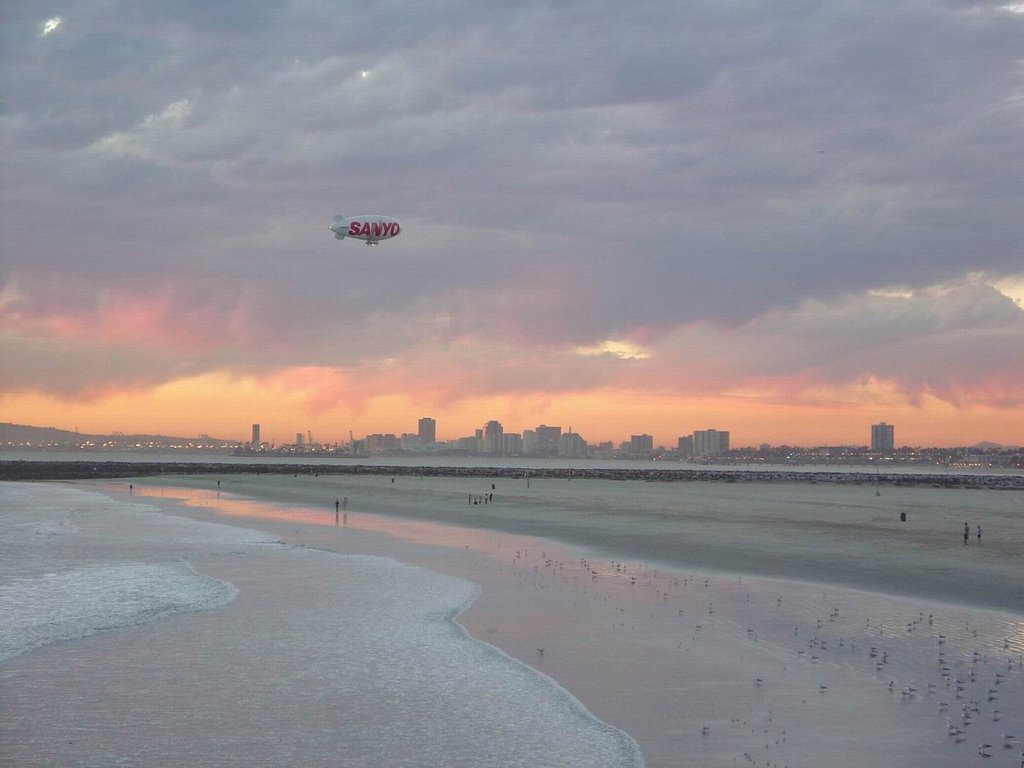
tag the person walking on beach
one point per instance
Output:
(967, 532)
(979, 534)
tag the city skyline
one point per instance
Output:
(492, 438)
(790, 221)
(858, 432)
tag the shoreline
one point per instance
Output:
(842, 535)
(30, 470)
(644, 650)
(328, 653)
(696, 666)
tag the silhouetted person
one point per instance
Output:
(967, 532)
(979, 534)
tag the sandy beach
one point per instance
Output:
(844, 535)
(718, 625)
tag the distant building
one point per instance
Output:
(710, 442)
(493, 442)
(255, 437)
(685, 448)
(530, 442)
(572, 446)
(547, 440)
(641, 445)
(299, 439)
(882, 438)
(467, 444)
(512, 444)
(378, 443)
(427, 431)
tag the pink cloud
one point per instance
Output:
(318, 388)
(165, 313)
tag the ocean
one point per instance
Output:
(222, 621)
(133, 637)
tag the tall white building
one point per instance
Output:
(710, 442)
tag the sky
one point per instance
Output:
(789, 220)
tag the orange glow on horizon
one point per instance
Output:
(329, 404)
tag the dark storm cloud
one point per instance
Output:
(579, 171)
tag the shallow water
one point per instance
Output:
(139, 638)
(778, 671)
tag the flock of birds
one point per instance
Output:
(966, 685)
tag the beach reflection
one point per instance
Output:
(413, 531)
(642, 644)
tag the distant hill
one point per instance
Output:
(22, 433)
(17, 433)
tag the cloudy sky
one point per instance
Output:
(786, 219)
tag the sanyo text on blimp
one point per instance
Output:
(370, 229)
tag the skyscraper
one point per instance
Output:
(493, 440)
(255, 437)
(882, 438)
(427, 430)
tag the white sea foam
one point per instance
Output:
(81, 601)
(320, 659)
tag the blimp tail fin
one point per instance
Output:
(339, 231)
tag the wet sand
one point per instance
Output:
(701, 664)
(844, 535)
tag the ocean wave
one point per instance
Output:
(79, 602)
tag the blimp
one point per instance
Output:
(371, 229)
